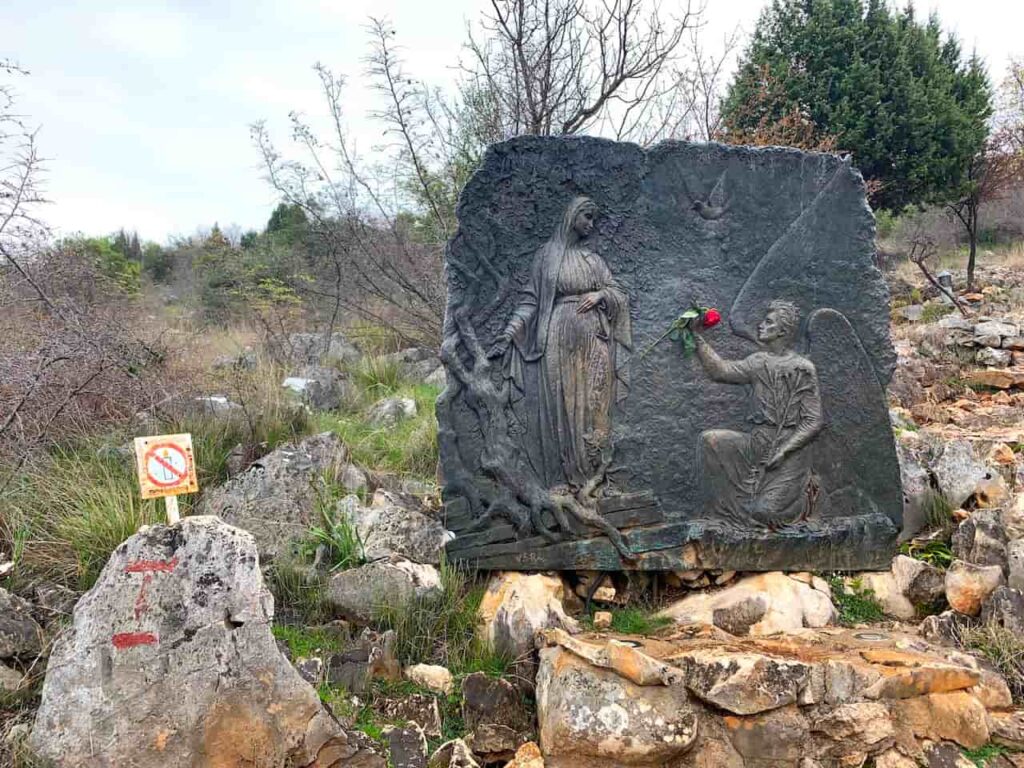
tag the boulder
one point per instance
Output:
(371, 657)
(981, 539)
(743, 683)
(359, 594)
(11, 680)
(1005, 608)
(994, 330)
(21, 637)
(958, 471)
(944, 628)
(488, 700)
(321, 388)
(588, 715)
(430, 676)
(758, 605)
(314, 348)
(852, 732)
(386, 528)
(407, 746)
(997, 358)
(275, 499)
(887, 593)
(517, 605)
(391, 410)
(956, 716)
(494, 743)
(919, 582)
(777, 738)
(968, 585)
(170, 657)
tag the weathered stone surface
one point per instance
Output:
(956, 716)
(943, 628)
(391, 410)
(494, 743)
(527, 756)
(788, 604)
(20, 634)
(10, 679)
(919, 582)
(587, 713)
(981, 539)
(407, 747)
(517, 605)
(958, 471)
(322, 388)
(968, 585)
(453, 754)
(855, 730)
(170, 656)
(372, 656)
(359, 593)
(419, 708)
(487, 701)
(314, 348)
(743, 683)
(779, 737)
(887, 592)
(275, 498)
(1015, 564)
(430, 676)
(386, 528)
(1005, 607)
(650, 233)
(1008, 729)
(620, 657)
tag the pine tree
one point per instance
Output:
(886, 87)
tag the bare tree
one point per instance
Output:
(67, 359)
(559, 67)
(991, 174)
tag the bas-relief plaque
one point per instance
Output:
(565, 447)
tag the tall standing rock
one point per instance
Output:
(170, 661)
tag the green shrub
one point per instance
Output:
(855, 602)
(298, 590)
(340, 540)
(305, 641)
(376, 377)
(638, 620)
(983, 754)
(934, 552)
(935, 311)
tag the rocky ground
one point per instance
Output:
(305, 615)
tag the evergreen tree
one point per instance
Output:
(888, 88)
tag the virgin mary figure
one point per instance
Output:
(572, 323)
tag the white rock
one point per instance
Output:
(517, 605)
(386, 528)
(998, 358)
(431, 676)
(391, 410)
(888, 594)
(758, 605)
(1015, 561)
(361, 593)
(958, 471)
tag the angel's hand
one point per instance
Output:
(776, 460)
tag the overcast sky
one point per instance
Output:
(144, 107)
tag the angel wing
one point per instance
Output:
(854, 456)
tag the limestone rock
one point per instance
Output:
(967, 585)
(887, 592)
(386, 528)
(170, 656)
(419, 708)
(10, 679)
(275, 498)
(893, 758)
(586, 713)
(391, 410)
(487, 700)
(958, 471)
(956, 716)
(314, 348)
(757, 605)
(856, 730)
(1008, 728)
(527, 756)
(776, 738)
(998, 358)
(430, 676)
(602, 619)
(743, 683)
(20, 634)
(1005, 608)
(1015, 564)
(407, 746)
(981, 539)
(517, 605)
(321, 388)
(494, 742)
(919, 582)
(453, 754)
(359, 593)
(371, 657)
(944, 628)
(620, 657)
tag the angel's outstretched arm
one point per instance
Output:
(727, 371)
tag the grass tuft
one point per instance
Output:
(985, 753)
(1003, 648)
(638, 620)
(306, 641)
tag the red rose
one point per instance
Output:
(711, 318)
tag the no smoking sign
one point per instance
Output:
(166, 466)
